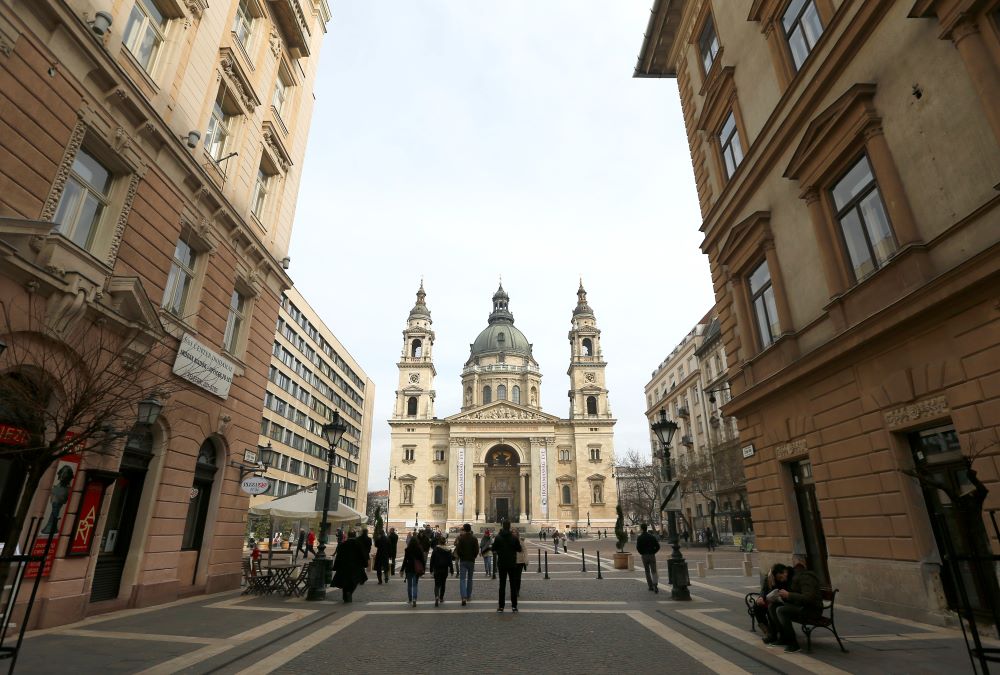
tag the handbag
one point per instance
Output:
(418, 567)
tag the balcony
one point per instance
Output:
(682, 411)
(687, 440)
(292, 22)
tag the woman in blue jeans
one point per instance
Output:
(413, 569)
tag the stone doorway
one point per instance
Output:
(502, 465)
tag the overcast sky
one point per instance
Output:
(458, 141)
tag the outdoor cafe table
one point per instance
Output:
(280, 577)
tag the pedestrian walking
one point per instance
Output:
(442, 566)
(505, 549)
(300, 545)
(310, 543)
(555, 542)
(349, 567)
(709, 539)
(486, 550)
(466, 550)
(412, 568)
(647, 546)
(393, 544)
(366, 541)
(381, 543)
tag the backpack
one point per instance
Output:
(418, 567)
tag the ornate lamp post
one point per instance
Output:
(677, 570)
(319, 572)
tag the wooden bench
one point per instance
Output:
(824, 620)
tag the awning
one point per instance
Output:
(302, 506)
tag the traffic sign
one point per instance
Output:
(669, 496)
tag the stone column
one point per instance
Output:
(829, 244)
(523, 517)
(982, 69)
(891, 187)
(479, 497)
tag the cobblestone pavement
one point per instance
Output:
(571, 622)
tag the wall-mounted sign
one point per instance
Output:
(255, 485)
(86, 517)
(791, 449)
(250, 456)
(748, 451)
(204, 367)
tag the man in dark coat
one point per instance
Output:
(802, 600)
(349, 566)
(393, 544)
(381, 543)
(647, 546)
(466, 550)
(505, 550)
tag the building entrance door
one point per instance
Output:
(810, 520)
(502, 509)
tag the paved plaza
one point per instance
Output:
(571, 622)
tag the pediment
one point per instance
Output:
(128, 298)
(407, 477)
(438, 478)
(502, 411)
(596, 477)
(742, 237)
(565, 478)
(858, 99)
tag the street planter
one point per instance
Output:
(623, 561)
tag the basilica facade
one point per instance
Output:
(501, 457)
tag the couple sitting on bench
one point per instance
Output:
(787, 595)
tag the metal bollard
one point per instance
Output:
(539, 561)
(546, 564)
(599, 575)
(583, 557)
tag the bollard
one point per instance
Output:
(700, 569)
(539, 561)
(583, 557)
(599, 576)
(710, 561)
(546, 564)
(747, 568)
(746, 557)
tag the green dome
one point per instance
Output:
(501, 337)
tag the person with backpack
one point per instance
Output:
(466, 550)
(505, 548)
(442, 566)
(486, 550)
(413, 569)
(647, 546)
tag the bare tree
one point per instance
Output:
(637, 485)
(718, 469)
(72, 389)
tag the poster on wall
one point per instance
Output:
(86, 517)
(67, 469)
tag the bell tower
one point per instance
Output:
(415, 394)
(588, 396)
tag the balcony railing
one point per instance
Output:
(687, 440)
(683, 411)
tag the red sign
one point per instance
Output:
(86, 518)
(14, 436)
(67, 470)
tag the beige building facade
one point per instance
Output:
(150, 152)
(312, 375)
(501, 457)
(847, 160)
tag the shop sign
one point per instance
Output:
(86, 518)
(13, 436)
(255, 485)
(204, 367)
(67, 469)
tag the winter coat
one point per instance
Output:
(412, 554)
(486, 546)
(393, 543)
(804, 591)
(442, 561)
(505, 549)
(381, 550)
(466, 547)
(366, 541)
(522, 555)
(349, 565)
(647, 544)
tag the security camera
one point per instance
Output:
(192, 138)
(285, 262)
(101, 23)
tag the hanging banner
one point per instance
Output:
(461, 483)
(86, 518)
(543, 470)
(55, 513)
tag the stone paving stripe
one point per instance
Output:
(800, 659)
(148, 637)
(723, 591)
(897, 636)
(702, 654)
(285, 656)
(521, 602)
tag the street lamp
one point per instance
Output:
(677, 570)
(319, 572)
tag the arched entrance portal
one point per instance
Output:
(502, 491)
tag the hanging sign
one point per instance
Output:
(255, 485)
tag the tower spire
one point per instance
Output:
(581, 301)
(420, 310)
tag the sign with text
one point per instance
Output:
(669, 496)
(255, 485)
(67, 469)
(204, 367)
(543, 470)
(334, 496)
(86, 518)
(13, 436)
(250, 456)
(461, 482)
(748, 451)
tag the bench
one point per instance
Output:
(824, 620)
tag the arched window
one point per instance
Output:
(591, 405)
(200, 495)
(501, 392)
(411, 406)
(515, 394)
(438, 494)
(566, 495)
(588, 347)
(597, 494)
(487, 394)
(416, 349)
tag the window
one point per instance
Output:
(280, 97)
(764, 308)
(180, 279)
(221, 124)
(803, 28)
(564, 455)
(587, 347)
(515, 394)
(408, 453)
(411, 406)
(260, 190)
(416, 349)
(708, 45)
(243, 24)
(591, 405)
(439, 455)
(595, 454)
(567, 495)
(501, 392)
(729, 143)
(863, 220)
(83, 200)
(144, 33)
(234, 324)
(487, 394)
(438, 494)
